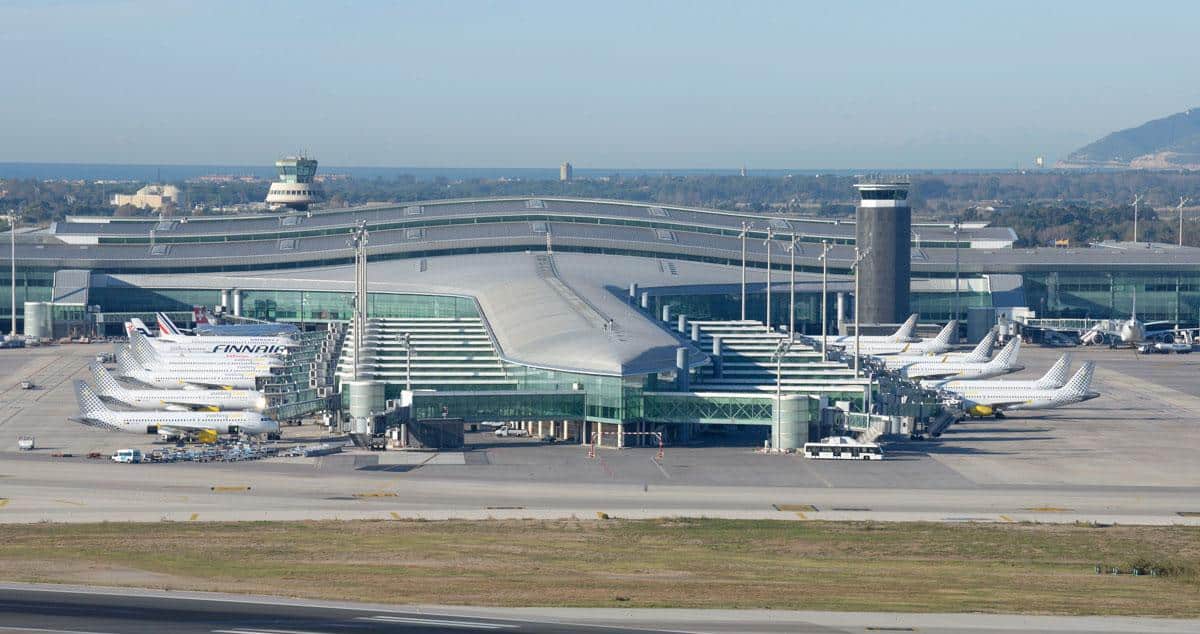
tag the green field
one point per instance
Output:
(1009, 568)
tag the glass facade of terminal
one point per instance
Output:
(1160, 296)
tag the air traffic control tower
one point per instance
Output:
(884, 226)
(295, 187)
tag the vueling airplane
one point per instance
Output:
(1004, 363)
(941, 343)
(982, 352)
(94, 413)
(990, 399)
(178, 399)
(905, 333)
(188, 377)
(1055, 377)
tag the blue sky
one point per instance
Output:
(603, 84)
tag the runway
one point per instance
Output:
(90, 610)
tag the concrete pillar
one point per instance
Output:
(841, 310)
(225, 298)
(666, 313)
(682, 325)
(620, 435)
(633, 292)
(718, 365)
(645, 300)
(793, 421)
(237, 302)
(682, 381)
(541, 432)
(695, 331)
(583, 432)
(598, 433)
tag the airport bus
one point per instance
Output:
(842, 448)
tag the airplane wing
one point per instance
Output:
(193, 407)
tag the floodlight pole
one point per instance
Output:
(1136, 199)
(770, 237)
(859, 256)
(407, 338)
(824, 299)
(1182, 201)
(12, 259)
(957, 307)
(792, 290)
(745, 232)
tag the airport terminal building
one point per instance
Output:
(574, 311)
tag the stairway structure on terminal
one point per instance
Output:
(449, 353)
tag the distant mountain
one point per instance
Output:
(1169, 143)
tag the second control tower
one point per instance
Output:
(296, 187)
(885, 227)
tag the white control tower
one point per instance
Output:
(295, 187)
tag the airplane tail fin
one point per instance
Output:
(1079, 384)
(983, 351)
(141, 349)
(1057, 375)
(89, 403)
(1008, 354)
(906, 330)
(140, 326)
(946, 336)
(106, 385)
(126, 363)
(165, 325)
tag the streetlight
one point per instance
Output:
(745, 232)
(770, 237)
(781, 350)
(791, 247)
(824, 298)
(1182, 201)
(12, 262)
(406, 338)
(859, 256)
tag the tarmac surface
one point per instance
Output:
(91, 610)
(1128, 457)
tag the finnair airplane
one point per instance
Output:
(94, 413)
(167, 331)
(939, 344)
(906, 333)
(188, 376)
(1004, 363)
(174, 400)
(147, 350)
(990, 400)
(982, 352)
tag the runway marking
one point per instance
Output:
(228, 489)
(1006, 518)
(3, 502)
(71, 502)
(1048, 509)
(376, 494)
(803, 508)
(440, 622)
(1179, 513)
(262, 631)
(395, 515)
(801, 515)
(6, 628)
(193, 517)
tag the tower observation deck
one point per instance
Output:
(884, 226)
(295, 187)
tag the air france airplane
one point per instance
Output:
(94, 413)
(906, 333)
(1004, 363)
(178, 399)
(988, 399)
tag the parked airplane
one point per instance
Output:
(981, 352)
(94, 413)
(1055, 377)
(1004, 363)
(167, 331)
(187, 377)
(941, 343)
(108, 388)
(994, 401)
(906, 333)
(147, 349)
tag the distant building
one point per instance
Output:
(295, 188)
(149, 197)
(565, 172)
(743, 172)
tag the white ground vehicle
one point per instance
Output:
(507, 432)
(26, 443)
(128, 456)
(842, 448)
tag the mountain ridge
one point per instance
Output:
(1172, 142)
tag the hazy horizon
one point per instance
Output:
(623, 85)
